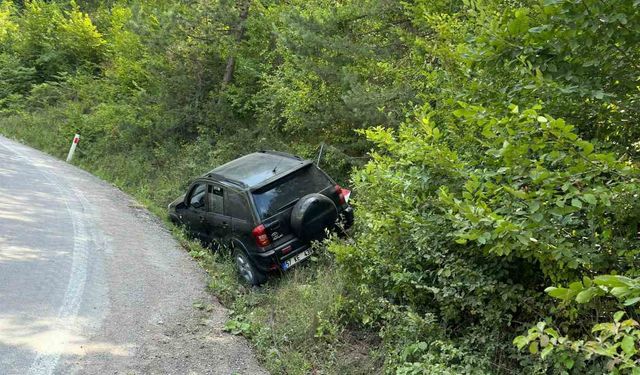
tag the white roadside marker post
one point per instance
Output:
(74, 144)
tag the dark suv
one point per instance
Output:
(267, 206)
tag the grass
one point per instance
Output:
(294, 321)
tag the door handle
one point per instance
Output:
(202, 219)
(225, 225)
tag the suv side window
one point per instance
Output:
(237, 206)
(216, 199)
(197, 199)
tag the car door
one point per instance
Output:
(194, 213)
(218, 223)
(237, 208)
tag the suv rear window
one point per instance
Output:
(286, 191)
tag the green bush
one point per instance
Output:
(614, 346)
(55, 39)
(461, 219)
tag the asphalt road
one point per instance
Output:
(91, 283)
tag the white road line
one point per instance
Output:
(45, 364)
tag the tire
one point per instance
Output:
(311, 215)
(247, 271)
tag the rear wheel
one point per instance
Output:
(247, 270)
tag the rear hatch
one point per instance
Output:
(275, 201)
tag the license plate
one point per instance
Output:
(296, 259)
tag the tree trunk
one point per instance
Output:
(240, 30)
(228, 72)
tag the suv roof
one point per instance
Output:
(257, 168)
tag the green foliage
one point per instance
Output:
(53, 39)
(16, 80)
(534, 190)
(8, 27)
(476, 195)
(332, 69)
(625, 289)
(447, 218)
(579, 57)
(79, 37)
(614, 341)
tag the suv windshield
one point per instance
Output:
(286, 191)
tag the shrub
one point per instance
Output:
(465, 219)
(614, 346)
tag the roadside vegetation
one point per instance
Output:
(492, 147)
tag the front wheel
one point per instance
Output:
(246, 270)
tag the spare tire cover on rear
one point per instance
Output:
(311, 215)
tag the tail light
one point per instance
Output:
(340, 196)
(343, 194)
(260, 235)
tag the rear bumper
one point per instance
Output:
(272, 259)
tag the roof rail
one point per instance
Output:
(226, 179)
(280, 153)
